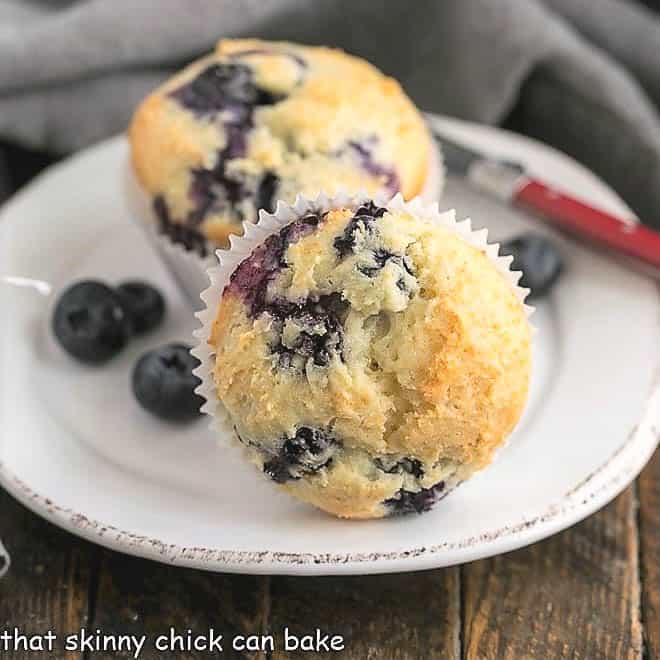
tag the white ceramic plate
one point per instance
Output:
(77, 449)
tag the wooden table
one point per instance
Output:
(591, 592)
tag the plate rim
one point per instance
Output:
(583, 499)
(609, 479)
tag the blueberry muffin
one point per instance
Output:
(370, 360)
(259, 121)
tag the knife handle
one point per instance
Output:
(635, 240)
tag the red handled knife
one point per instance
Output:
(509, 181)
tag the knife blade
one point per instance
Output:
(509, 182)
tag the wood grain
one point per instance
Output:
(649, 529)
(138, 597)
(47, 586)
(413, 615)
(575, 595)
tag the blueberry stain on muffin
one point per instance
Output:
(250, 280)
(229, 93)
(306, 330)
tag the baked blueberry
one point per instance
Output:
(90, 322)
(144, 303)
(227, 85)
(307, 452)
(164, 383)
(308, 331)
(406, 501)
(266, 192)
(379, 258)
(362, 222)
(539, 260)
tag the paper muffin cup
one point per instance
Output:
(268, 224)
(188, 267)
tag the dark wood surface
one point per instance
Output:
(591, 592)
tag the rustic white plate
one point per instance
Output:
(77, 449)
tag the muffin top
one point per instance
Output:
(259, 121)
(367, 356)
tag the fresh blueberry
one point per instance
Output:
(539, 260)
(90, 322)
(406, 501)
(307, 452)
(144, 303)
(164, 384)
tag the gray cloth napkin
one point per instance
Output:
(583, 76)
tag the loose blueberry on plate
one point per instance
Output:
(90, 322)
(539, 260)
(143, 303)
(164, 384)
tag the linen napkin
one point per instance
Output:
(583, 76)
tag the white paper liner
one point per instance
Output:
(434, 186)
(188, 267)
(271, 223)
